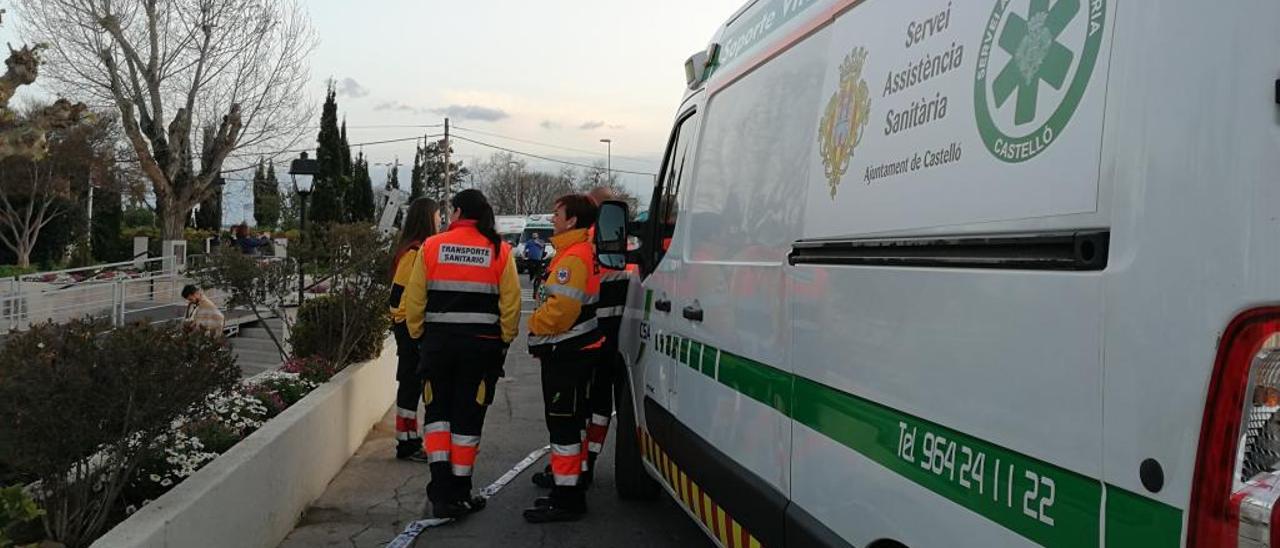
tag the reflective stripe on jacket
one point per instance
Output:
(568, 317)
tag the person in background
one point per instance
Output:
(201, 312)
(463, 303)
(247, 243)
(564, 336)
(420, 223)
(535, 251)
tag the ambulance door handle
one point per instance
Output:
(662, 305)
(692, 312)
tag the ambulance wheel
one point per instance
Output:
(630, 476)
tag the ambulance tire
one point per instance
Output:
(632, 480)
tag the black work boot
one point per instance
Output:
(459, 508)
(564, 504)
(440, 490)
(410, 450)
(544, 479)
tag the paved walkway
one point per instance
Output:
(375, 496)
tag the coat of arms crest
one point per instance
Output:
(845, 119)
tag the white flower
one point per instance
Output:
(155, 477)
(166, 482)
(130, 509)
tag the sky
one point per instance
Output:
(564, 73)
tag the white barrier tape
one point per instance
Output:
(416, 528)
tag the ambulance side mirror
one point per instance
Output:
(611, 235)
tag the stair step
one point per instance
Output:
(252, 344)
(251, 356)
(260, 333)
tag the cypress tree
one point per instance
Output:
(348, 168)
(433, 165)
(418, 177)
(360, 202)
(330, 187)
(266, 196)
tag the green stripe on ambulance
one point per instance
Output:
(1044, 503)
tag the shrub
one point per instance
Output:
(248, 282)
(9, 271)
(81, 408)
(343, 327)
(350, 323)
(17, 514)
(313, 369)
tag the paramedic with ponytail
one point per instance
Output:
(463, 301)
(420, 222)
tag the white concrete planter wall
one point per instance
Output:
(254, 494)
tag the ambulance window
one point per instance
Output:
(668, 207)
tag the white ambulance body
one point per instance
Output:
(981, 273)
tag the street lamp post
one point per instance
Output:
(609, 143)
(303, 171)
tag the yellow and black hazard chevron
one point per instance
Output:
(727, 530)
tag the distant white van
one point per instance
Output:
(510, 224)
(982, 273)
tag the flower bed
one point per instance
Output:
(215, 427)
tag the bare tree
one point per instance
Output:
(29, 200)
(34, 192)
(234, 69)
(598, 176)
(513, 189)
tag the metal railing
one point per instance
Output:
(145, 289)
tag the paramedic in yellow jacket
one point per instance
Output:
(564, 335)
(420, 222)
(463, 303)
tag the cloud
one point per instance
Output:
(349, 87)
(587, 126)
(548, 124)
(473, 112)
(617, 126)
(396, 106)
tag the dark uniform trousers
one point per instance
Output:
(408, 390)
(599, 409)
(565, 380)
(460, 373)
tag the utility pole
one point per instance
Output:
(519, 187)
(90, 214)
(448, 177)
(610, 164)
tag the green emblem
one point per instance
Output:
(1040, 54)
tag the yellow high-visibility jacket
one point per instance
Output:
(404, 267)
(572, 290)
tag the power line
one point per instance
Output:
(296, 151)
(571, 149)
(545, 158)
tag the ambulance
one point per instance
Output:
(981, 273)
